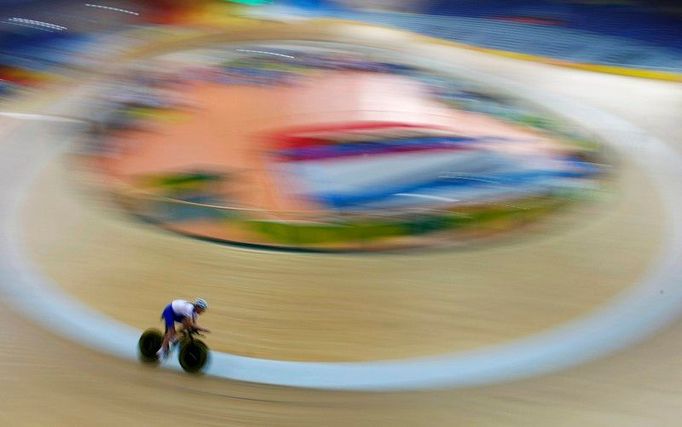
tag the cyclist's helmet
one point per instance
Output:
(201, 303)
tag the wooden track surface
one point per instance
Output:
(50, 382)
(313, 307)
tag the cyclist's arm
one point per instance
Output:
(190, 323)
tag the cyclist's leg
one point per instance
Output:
(169, 321)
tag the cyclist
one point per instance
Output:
(184, 312)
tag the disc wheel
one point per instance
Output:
(149, 344)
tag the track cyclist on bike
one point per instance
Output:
(184, 312)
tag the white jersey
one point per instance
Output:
(183, 308)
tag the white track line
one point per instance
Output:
(648, 305)
(38, 117)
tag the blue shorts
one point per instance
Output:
(169, 317)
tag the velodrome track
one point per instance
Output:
(76, 385)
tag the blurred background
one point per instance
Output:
(422, 213)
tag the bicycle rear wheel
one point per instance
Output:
(149, 344)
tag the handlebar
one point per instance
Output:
(192, 331)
